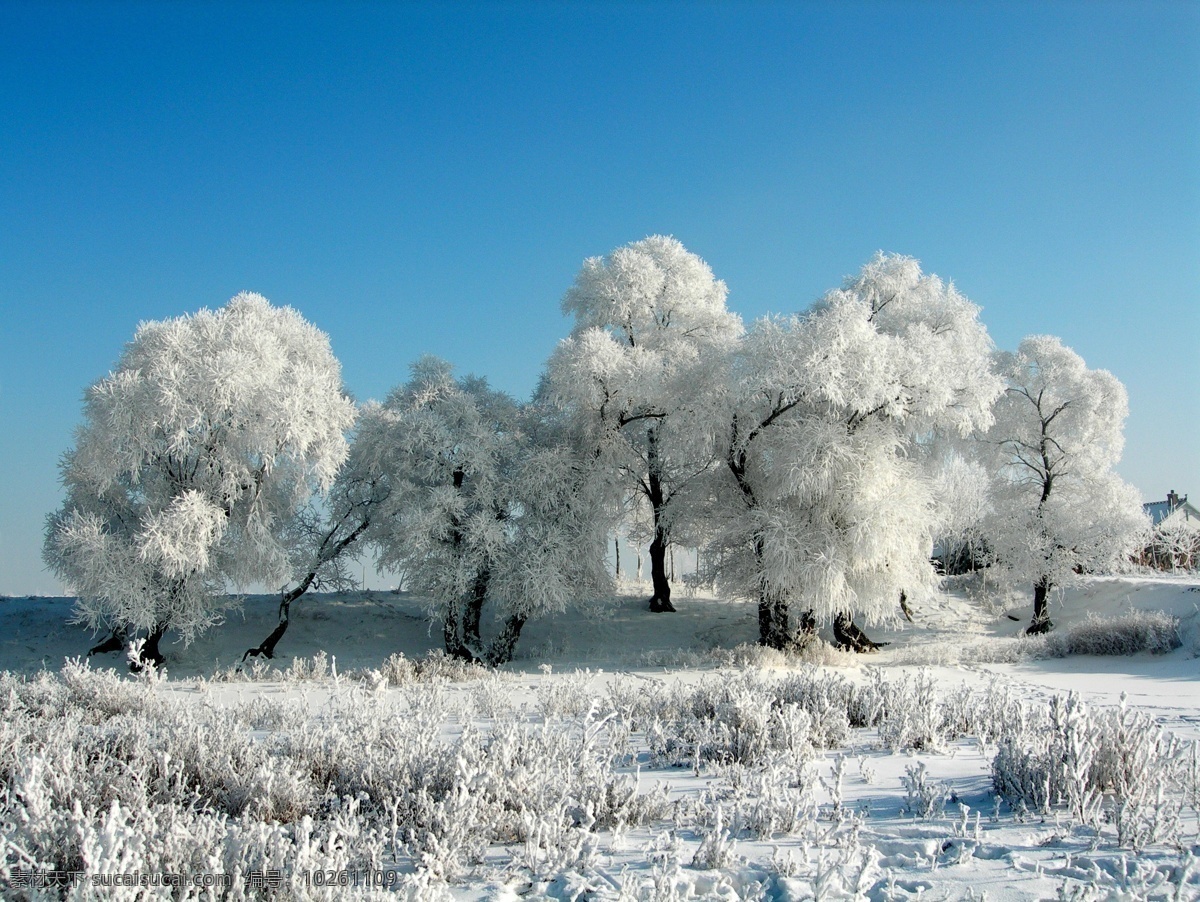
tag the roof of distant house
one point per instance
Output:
(1160, 510)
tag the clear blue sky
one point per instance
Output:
(428, 178)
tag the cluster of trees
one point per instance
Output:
(816, 458)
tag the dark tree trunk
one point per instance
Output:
(850, 637)
(505, 643)
(115, 642)
(474, 611)
(904, 609)
(452, 633)
(150, 654)
(267, 648)
(328, 550)
(1041, 613)
(773, 620)
(453, 626)
(660, 602)
(772, 610)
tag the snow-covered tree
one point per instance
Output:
(196, 454)
(1059, 507)
(324, 536)
(826, 508)
(639, 370)
(1173, 545)
(962, 500)
(480, 507)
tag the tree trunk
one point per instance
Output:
(505, 643)
(904, 608)
(850, 637)
(617, 545)
(772, 610)
(773, 620)
(150, 653)
(474, 610)
(267, 648)
(329, 549)
(452, 633)
(115, 642)
(1041, 614)
(660, 601)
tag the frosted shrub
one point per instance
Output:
(717, 847)
(995, 713)
(568, 696)
(435, 666)
(911, 714)
(1118, 764)
(1049, 760)
(398, 670)
(1137, 764)
(831, 701)
(923, 798)
(743, 717)
(143, 781)
(102, 773)
(1156, 632)
(491, 696)
(723, 721)
(816, 651)
(314, 668)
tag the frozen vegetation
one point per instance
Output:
(690, 770)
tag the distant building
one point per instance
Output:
(1174, 511)
(1175, 534)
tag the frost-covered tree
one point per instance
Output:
(324, 535)
(827, 509)
(480, 507)
(962, 499)
(639, 370)
(1059, 507)
(196, 454)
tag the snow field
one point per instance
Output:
(616, 761)
(463, 783)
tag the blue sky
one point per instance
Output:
(428, 179)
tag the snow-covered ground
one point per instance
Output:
(645, 756)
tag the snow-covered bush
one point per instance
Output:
(105, 774)
(1156, 632)
(924, 798)
(723, 721)
(910, 713)
(1117, 764)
